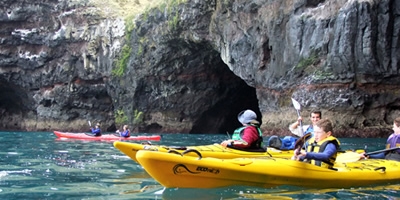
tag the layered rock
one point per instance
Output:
(192, 66)
(55, 63)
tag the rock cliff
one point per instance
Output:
(191, 66)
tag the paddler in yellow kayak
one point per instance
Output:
(393, 142)
(297, 128)
(323, 147)
(247, 137)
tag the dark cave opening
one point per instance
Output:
(13, 102)
(222, 118)
(236, 96)
(10, 99)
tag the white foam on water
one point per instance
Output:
(160, 191)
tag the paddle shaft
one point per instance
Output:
(380, 151)
(300, 122)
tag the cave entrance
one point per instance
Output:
(235, 96)
(13, 104)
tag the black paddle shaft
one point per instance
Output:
(383, 150)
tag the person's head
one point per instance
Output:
(315, 116)
(323, 129)
(396, 125)
(125, 127)
(97, 125)
(247, 117)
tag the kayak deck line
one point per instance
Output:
(212, 150)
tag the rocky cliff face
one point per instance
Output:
(191, 66)
(55, 60)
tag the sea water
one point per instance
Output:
(37, 165)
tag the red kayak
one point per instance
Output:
(84, 136)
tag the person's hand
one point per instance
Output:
(302, 153)
(295, 152)
(299, 119)
(298, 153)
(363, 156)
(226, 143)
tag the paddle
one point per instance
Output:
(383, 150)
(298, 107)
(90, 125)
(300, 142)
(353, 156)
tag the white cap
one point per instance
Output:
(247, 116)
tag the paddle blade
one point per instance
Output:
(300, 142)
(90, 124)
(348, 157)
(296, 104)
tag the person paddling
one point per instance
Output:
(249, 136)
(96, 131)
(392, 142)
(288, 142)
(315, 116)
(125, 133)
(323, 147)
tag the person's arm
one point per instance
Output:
(325, 155)
(377, 155)
(296, 129)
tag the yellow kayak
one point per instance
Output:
(176, 170)
(213, 150)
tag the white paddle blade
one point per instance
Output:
(90, 124)
(348, 157)
(296, 104)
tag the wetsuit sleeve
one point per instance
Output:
(325, 155)
(378, 155)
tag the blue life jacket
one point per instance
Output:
(125, 133)
(96, 131)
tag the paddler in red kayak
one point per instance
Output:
(96, 131)
(126, 133)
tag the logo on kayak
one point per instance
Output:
(180, 168)
(206, 169)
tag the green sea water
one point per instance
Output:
(37, 165)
